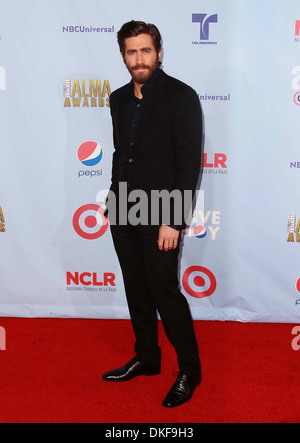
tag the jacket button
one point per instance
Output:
(131, 160)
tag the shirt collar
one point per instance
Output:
(146, 88)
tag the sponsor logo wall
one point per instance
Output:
(58, 68)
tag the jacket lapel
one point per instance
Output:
(148, 108)
(150, 103)
(123, 106)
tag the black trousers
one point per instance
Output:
(151, 285)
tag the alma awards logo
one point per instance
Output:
(86, 94)
(2, 221)
(293, 229)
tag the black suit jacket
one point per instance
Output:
(166, 153)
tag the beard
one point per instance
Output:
(142, 77)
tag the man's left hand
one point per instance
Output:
(168, 238)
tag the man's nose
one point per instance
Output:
(140, 58)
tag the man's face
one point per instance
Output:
(141, 57)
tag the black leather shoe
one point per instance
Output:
(182, 390)
(131, 370)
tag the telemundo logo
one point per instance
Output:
(204, 22)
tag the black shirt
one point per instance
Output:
(135, 108)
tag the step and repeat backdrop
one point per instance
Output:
(59, 63)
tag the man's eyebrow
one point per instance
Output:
(142, 49)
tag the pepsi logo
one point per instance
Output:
(199, 282)
(298, 285)
(89, 222)
(90, 153)
(200, 231)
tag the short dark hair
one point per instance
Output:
(135, 28)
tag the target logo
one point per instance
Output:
(90, 153)
(298, 285)
(199, 282)
(89, 222)
(297, 98)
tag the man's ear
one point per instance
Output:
(159, 55)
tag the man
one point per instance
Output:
(157, 136)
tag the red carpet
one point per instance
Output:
(51, 373)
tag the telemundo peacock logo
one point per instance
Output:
(86, 93)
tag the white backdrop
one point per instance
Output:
(59, 60)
